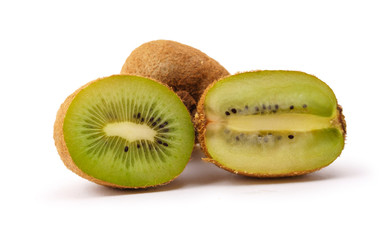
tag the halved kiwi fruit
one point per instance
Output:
(124, 131)
(185, 69)
(270, 123)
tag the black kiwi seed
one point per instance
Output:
(257, 109)
(142, 120)
(304, 106)
(291, 107)
(165, 144)
(158, 120)
(153, 124)
(151, 119)
(246, 107)
(237, 138)
(138, 145)
(234, 110)
(290, 136)
(126, 149)
(163, 125)
(138, 115)
(276, 106)
(227, 113)
(264, 107)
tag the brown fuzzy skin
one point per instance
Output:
(200, 123)
(63, 150)
(185, 69)
(188, 101)
(341, 119)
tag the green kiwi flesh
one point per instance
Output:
(271, 123)
(129, 132)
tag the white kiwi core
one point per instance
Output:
(282, 122)
(130, 131)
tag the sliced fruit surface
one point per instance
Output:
(129, 131)
(271, 123)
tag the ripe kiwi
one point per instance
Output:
(185, 69)
(124, 131)
(270, 124)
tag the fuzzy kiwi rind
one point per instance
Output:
(201, 121)
(185, 69)
(65, 154)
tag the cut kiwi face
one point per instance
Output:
(125, 131)
(270, 123)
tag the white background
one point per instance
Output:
(50, 48)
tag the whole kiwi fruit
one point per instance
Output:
(124, 131)
(270, 124)
(185, 69)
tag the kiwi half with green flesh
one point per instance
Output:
(270, 124)
(125, 132)
(185, 69)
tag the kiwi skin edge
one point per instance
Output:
(63, 150)
(200, 123)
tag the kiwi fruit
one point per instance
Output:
(270, 124)
(185, 69)
(124, 131)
